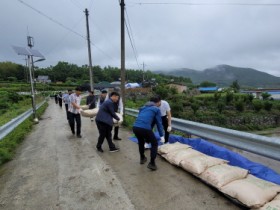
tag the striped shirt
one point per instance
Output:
(73, 98)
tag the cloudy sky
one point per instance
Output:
(167, 34)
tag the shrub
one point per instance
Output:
(194, 106)
(220, 106)
(229, 97)
(268, 105)
(239, 105)
(258, 105)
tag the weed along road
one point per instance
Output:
(55, 170)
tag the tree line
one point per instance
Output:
(73, 74)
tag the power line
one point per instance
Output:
(63, 26)
(51, 19)
(206, 4)
(130, 35)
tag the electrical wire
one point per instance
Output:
(206, 4)
(130, 35)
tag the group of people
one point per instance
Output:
(155, 112)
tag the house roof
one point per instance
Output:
(208, 88)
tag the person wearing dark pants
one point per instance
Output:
(75, 118)
(74, 112)
(65, 98)
(104, 122)
(166, 118)
(142, 129)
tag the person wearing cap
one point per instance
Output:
(102, 98)
(104, 122)
(142, 128)
(74, 111)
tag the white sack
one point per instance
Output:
(198, 164)
(177, 156)
(166, 148)
(84, 107)
(251, 191)
(223, 174)
(118, 123)
(89, 112)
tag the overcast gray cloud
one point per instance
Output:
(167, 36)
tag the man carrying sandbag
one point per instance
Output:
(104, 122)
(142, 129)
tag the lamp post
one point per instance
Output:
(30, 53)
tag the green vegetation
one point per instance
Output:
(9, 144)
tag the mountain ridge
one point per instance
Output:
(223, 75)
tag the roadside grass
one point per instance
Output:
(10, 143)
(16, 109)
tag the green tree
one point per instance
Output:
(268, 105)
(265, 96)
(195, 106)
(207, 84)
(239, 105)
(258, 105)
(235, 86)
(229, 97)
(221, 106)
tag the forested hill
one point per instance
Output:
(224, 75)
(71, 73)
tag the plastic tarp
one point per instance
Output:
(234, 158)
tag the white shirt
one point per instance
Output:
(77, 100)
(164, 108)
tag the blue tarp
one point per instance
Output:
(234, 158)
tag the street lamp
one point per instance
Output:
(30, 53)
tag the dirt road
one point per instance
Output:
(55, 170)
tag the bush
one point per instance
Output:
(268, 105)
(220, 106)
(229, 97)
(194, 106)
(239, 105)
(258, 105)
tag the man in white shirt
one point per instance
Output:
(165, 111)
(74, 111)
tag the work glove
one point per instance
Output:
(162, 140)
(169, 128)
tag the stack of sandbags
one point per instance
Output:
(118, 123)
(89, 112)
(199, 163)
(220, 175)
(252, 191)
(272, 205)
(168, 148)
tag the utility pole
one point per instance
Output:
(89, 52)
(143, 73)
(122, 4)
(30, 44)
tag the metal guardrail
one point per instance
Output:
(261, 145)
(10, 126)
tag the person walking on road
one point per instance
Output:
(142, 128)
(91, 100)
(102, 98)
(60, 99)
(119, 109)
(74, 112)
(65, 98)
(104, 122)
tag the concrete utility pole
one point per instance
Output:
(30, 44)
(143, 73)
(122, 4)
(89, 51)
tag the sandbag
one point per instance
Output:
(223, 174)
(198, 164)
(251, 191)
(166, 148)
(118, 123)
(177, 156)
(89, 112)
(84, 107)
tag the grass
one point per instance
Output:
(10, 143)
(18, 108)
